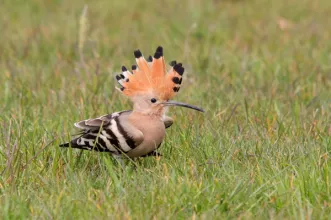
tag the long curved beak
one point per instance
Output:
(174, 103)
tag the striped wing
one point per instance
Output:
(103, 121)
(109, 133)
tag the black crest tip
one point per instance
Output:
(137, 53)
(134, 67)
(122, 89)
(176, 89)
(150, 59)
(118, 77)
(179, 69)
(124, 69)
(159, 49)
(173, 63)
(122, 76)
(157, 55)
(176, 80)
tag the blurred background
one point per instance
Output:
(260, 68)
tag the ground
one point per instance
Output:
(260, 68)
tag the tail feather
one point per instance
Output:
(73, 144)
(65, 145)
(87, 146)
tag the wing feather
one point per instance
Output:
(117, 135)
(96, 123)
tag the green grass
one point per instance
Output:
(261, 69)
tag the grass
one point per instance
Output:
(261, 69)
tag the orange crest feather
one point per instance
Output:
(151, 76)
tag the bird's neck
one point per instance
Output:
(156, 113)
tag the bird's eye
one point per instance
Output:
(153, 100)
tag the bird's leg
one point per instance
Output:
(167, 121)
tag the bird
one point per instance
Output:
(138, 132)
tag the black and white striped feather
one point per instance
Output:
(124, 76)
(107, 134)
(104, 134)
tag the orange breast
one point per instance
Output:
(154, 133)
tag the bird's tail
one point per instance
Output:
(85, 146)
(72, 144)
(65, 144)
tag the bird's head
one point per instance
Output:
(150, 86)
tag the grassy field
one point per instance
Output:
(261, 69)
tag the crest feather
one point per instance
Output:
(151, 76)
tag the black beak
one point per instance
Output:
(174, 103)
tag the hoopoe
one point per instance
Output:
(139, 132)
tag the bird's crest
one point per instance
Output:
(151, 76)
